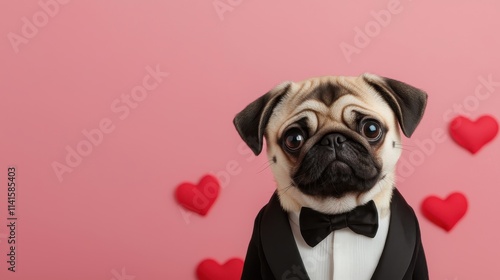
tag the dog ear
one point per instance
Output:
(252, 121)
(407, 102)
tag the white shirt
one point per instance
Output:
(342, 255)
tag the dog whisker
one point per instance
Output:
(404, 149)
(300, 176)
(403, 145)
(266, 167)
(266, 162)
(286, 188)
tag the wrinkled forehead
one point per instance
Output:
(331, 97)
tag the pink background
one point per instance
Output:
(116, 208)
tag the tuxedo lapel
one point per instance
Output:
(401, 241)
(279, 245)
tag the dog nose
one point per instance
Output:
(333, 140)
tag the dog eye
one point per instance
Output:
(371, 130)
(294, 139)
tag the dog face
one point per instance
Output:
(333, 142)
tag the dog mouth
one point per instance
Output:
(336, 177)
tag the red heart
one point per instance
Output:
(473, 135)
(445, 213)
(198, 198)
(210, 270)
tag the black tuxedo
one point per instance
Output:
(273, 253)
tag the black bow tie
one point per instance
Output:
(316, 226)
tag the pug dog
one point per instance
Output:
(333, 143)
